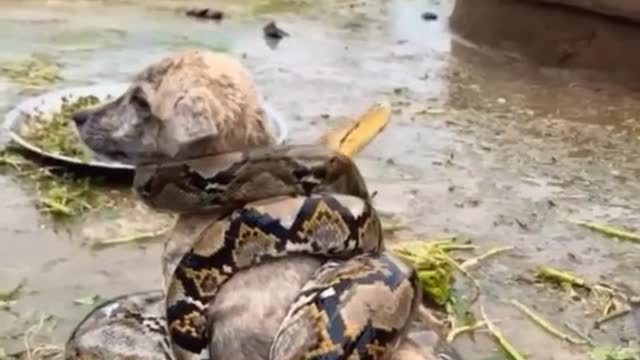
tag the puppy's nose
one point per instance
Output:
(80, 117)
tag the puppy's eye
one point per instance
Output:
(140, 102)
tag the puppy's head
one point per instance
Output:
(123, 129)
(156, 121)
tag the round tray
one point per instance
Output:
(52, 102)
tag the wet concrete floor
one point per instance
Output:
(480, 145)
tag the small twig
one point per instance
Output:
(611, 231)
(47, 351)
(15, 162)
(463, 329)
(57, 207)
(7, 296)
(459, 247)
(405, 245)
(579, 333)
(612, 316)
(134, 237)
(28, 335)
(392, 227)
(545, 325)
(497, 335)
(428, 318)
(476, 260)
(558, 276)
(606, 289)
(476, 294)
(608, 308)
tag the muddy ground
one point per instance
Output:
(480, 145)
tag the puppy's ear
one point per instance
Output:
(190, 121)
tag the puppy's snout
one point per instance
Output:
(80, 117)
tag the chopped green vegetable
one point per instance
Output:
(56, 133)
(559, 277)
(35, 73)
(613, 231)
(545, 325)
(509, 349)
(615, 353)
(10, 295)
(60, 196)
(435, 272)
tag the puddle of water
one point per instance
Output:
(476, 141)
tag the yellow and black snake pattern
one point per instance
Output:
(281, 201)
(271, 203)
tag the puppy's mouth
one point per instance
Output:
(103, 148)
(98, 147)
(111, 156)
(117, 155)
(129, 159)
(108, 149)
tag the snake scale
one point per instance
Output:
(274, 202)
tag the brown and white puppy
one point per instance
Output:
(197, 103)
(191, 103)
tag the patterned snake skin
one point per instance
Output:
(274, 202)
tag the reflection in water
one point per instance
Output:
(498, 84)
(405, 22)
(539, 63)
(389, 39)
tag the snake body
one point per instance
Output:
(112, 327)
(277, 201)
(271, 203)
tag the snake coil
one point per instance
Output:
(273, 202)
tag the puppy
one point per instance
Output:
(198, 103)
(192, 103)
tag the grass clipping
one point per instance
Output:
(432, 264)
(58, 195)
(36, 73)
(615, 353)
(612, 302)
(612, 231)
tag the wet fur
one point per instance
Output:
(196, 103)
(188, 104)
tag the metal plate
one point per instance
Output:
(52, 102)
